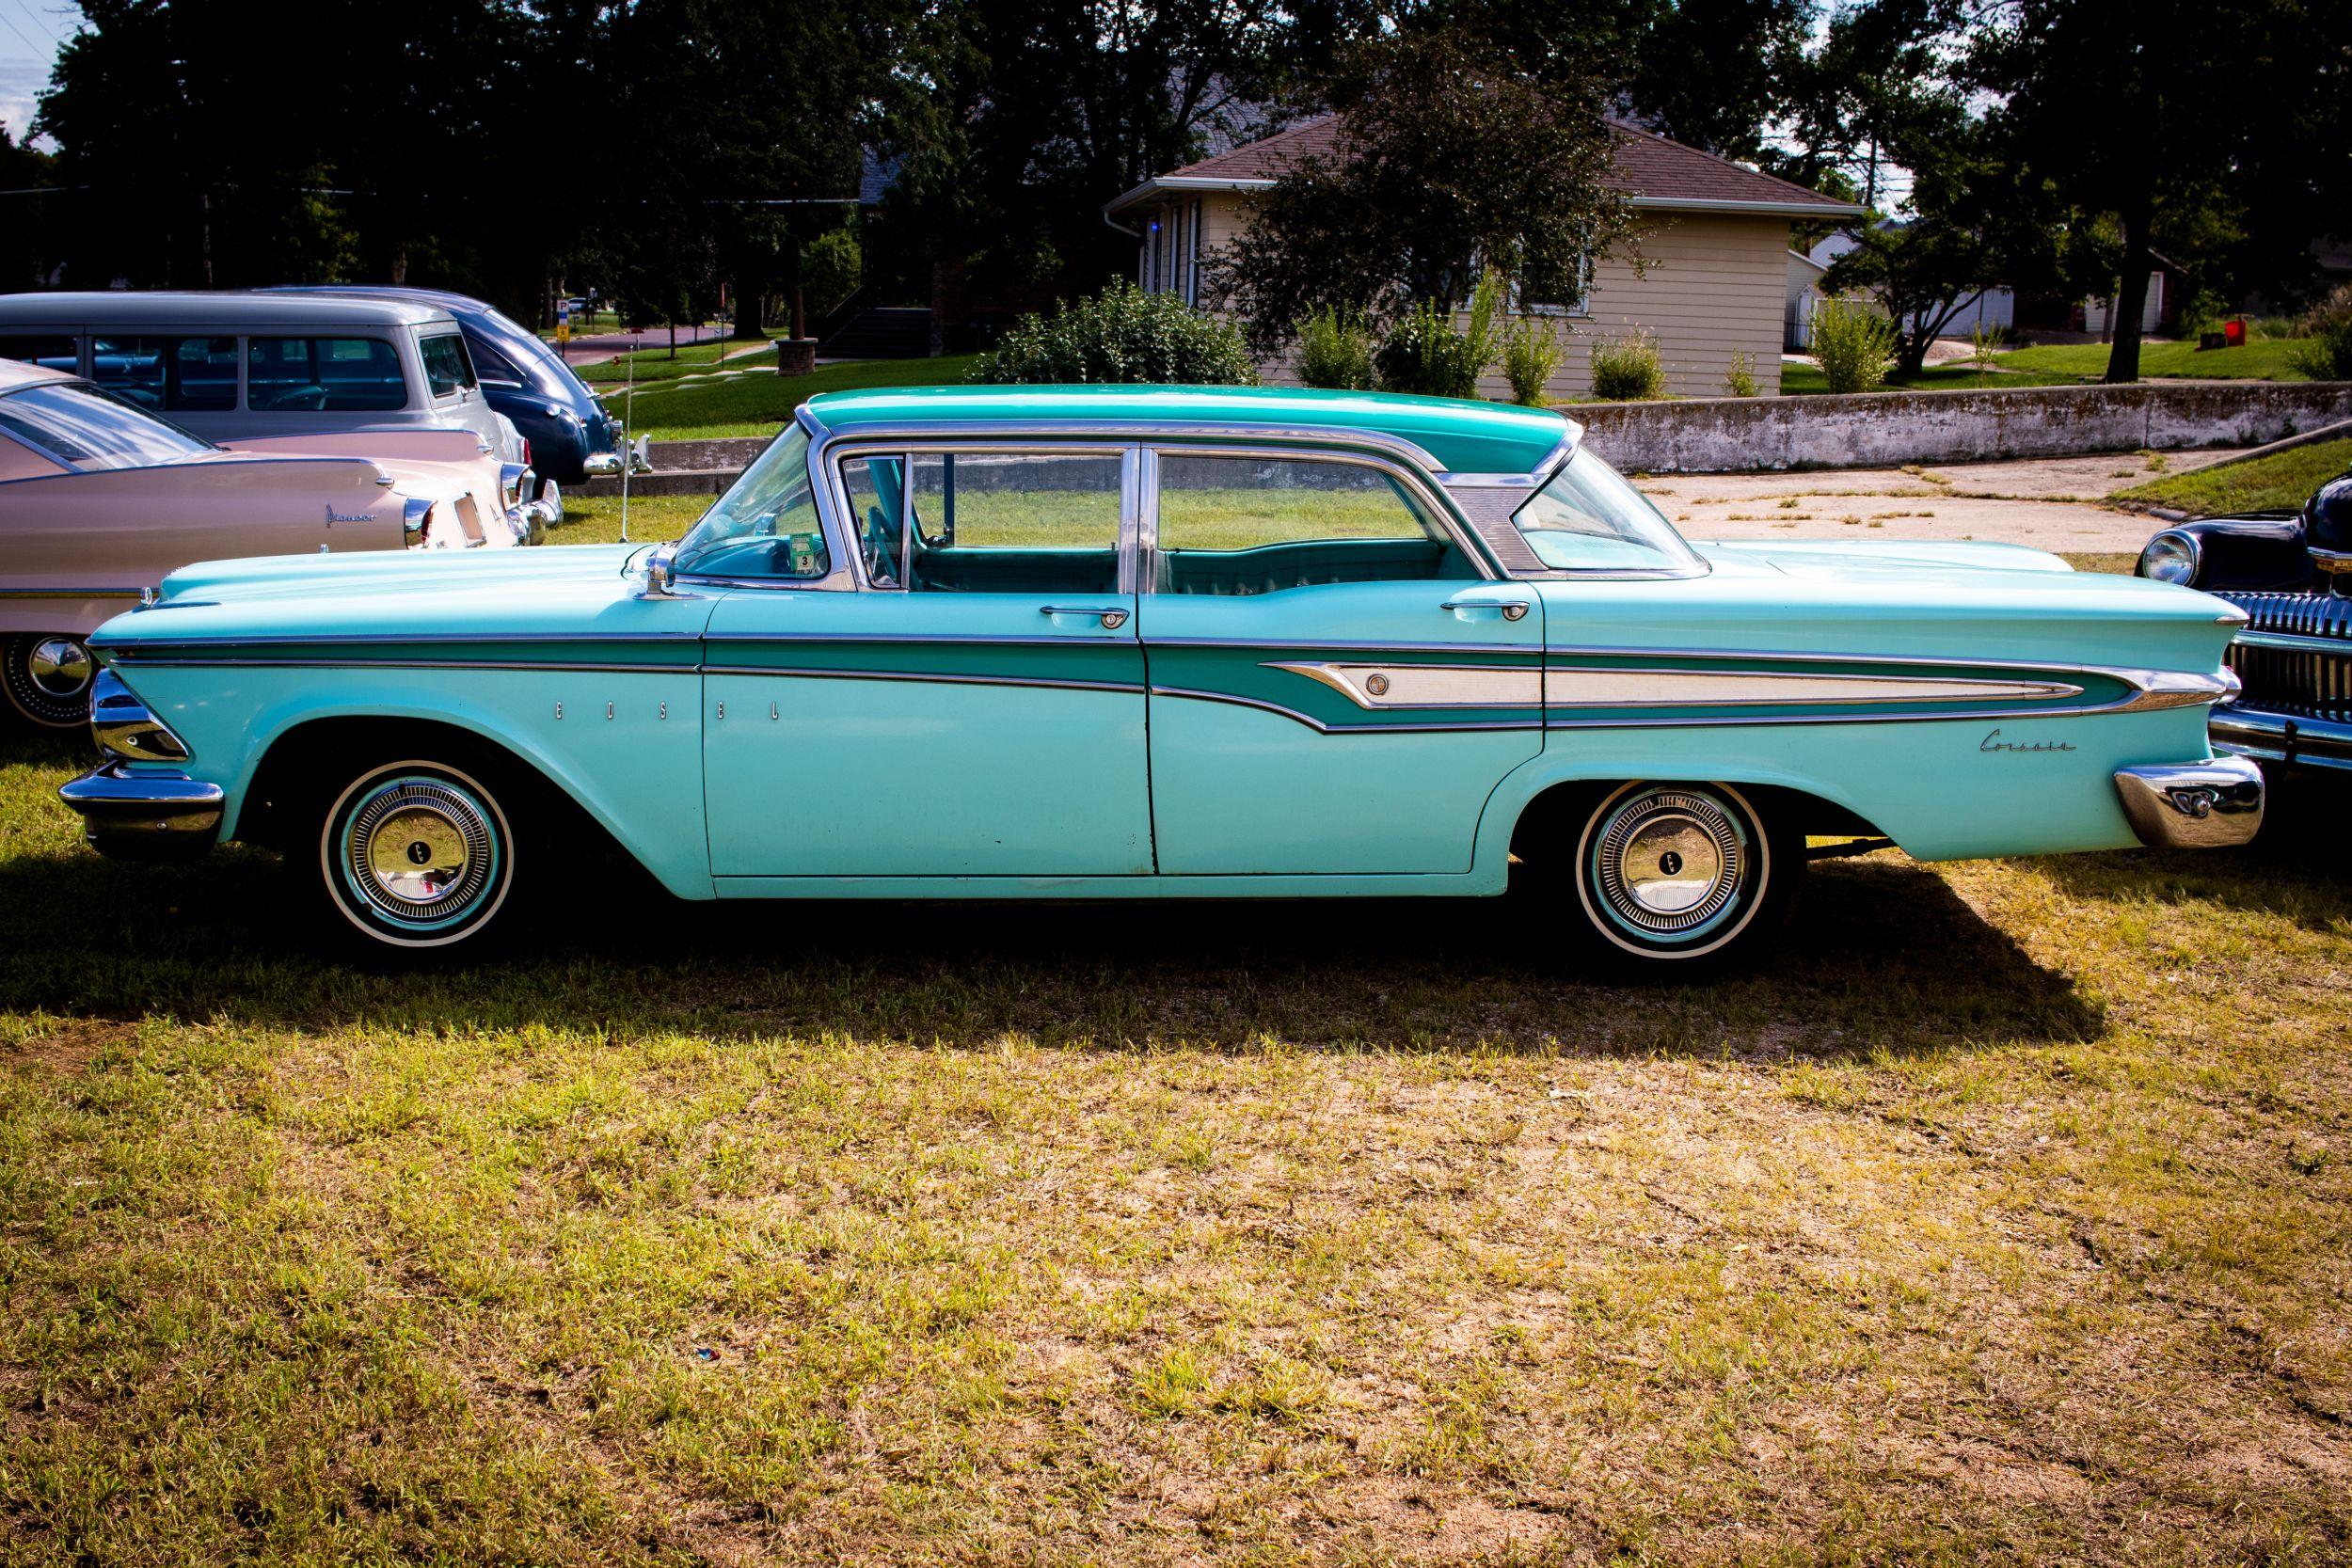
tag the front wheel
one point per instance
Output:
(48, 676)
(1673, 875)
(416, 856)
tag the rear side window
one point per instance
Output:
(448, 369)
(172, 374)
(1259, 525)
(58, 354)
(86, 428)
(322, 375)
(493, 365)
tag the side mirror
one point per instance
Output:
(660, 574)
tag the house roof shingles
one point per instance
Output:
(1652, 170)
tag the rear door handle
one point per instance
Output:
(1110, 617)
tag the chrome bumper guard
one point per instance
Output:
(2194, 805)
(531, 520)
(2304, 742)
(144, 815)
(601, 464)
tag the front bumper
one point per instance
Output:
(2193, 805)
(144, 816)
(2299, 740)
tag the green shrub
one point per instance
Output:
(1854, 343)
(1426, 352)
(1628, 367)
(1739, 375)
(1530, 352)
(1335, 351)
(2324, 350)
(1122, 335)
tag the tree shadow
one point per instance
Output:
(1880, 957)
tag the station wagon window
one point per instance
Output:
(58, 354)
(448, 369)
(765, 526)
(988, 522)
(1243, 525)
(87, 429)
(324, 374)
(173, 374)
(1588, 519)
(495, 367)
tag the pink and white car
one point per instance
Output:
(99, 498)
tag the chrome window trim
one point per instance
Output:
(1535, 479)
(1432, 497)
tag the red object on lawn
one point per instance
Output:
(2234, 330)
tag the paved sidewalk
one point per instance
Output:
(2048, 503)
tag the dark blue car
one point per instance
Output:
(572, 438)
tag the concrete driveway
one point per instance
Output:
(2050, 503)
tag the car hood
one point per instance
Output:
(566, 592)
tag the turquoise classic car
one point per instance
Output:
(1117, 643)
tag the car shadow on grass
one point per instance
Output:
(1881, 956)
(2298, 867)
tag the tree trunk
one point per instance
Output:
(2131, 296)
(747, 304)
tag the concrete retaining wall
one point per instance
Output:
(1890, 429)
(1700, 435)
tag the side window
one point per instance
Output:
(169, 374)
(1015, 523)
(983, 522)
(324, 374)
(1262, 525)
(875, 488)
(495, 367)
(448, 369)
(58, 354)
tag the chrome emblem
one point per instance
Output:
(1993, 742)
(1376, 685)
(334, 516)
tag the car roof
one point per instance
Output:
(1460, 435)
(188, 309)
(16, 375)
(503, 330)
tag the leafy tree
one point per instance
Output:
(2184, 131)
(1455, 159)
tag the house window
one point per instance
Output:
(1555, 292)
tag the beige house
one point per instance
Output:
(1715, 248)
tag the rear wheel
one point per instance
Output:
(48, 678)
(1671, 875)
(416, 855)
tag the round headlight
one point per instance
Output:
(2171, 557)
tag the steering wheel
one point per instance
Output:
(874, 545)
(311, 397)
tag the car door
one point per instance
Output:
(975, 707)
(1336, 687)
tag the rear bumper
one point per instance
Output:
(144, 816)
(2193, 805)
(2272, 737)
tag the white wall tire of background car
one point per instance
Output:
(47, 678)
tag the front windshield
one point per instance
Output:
(86, 428)
(765, 526)
(1588, 519)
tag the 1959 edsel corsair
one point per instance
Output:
(1161, 641)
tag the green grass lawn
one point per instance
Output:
(758, 402)
(2070, 364)
(2277, 484)
(2002, 1218)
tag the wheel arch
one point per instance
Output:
(1534, 807)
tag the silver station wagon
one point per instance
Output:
(232, 366)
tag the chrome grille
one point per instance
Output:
(2294, 652)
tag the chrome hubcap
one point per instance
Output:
(419, 849)
(1669, 862)
(60, 667)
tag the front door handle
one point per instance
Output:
(1110, 617)
(1509, 609)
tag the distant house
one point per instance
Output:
(1716, 250)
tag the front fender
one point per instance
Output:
(626, 745)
